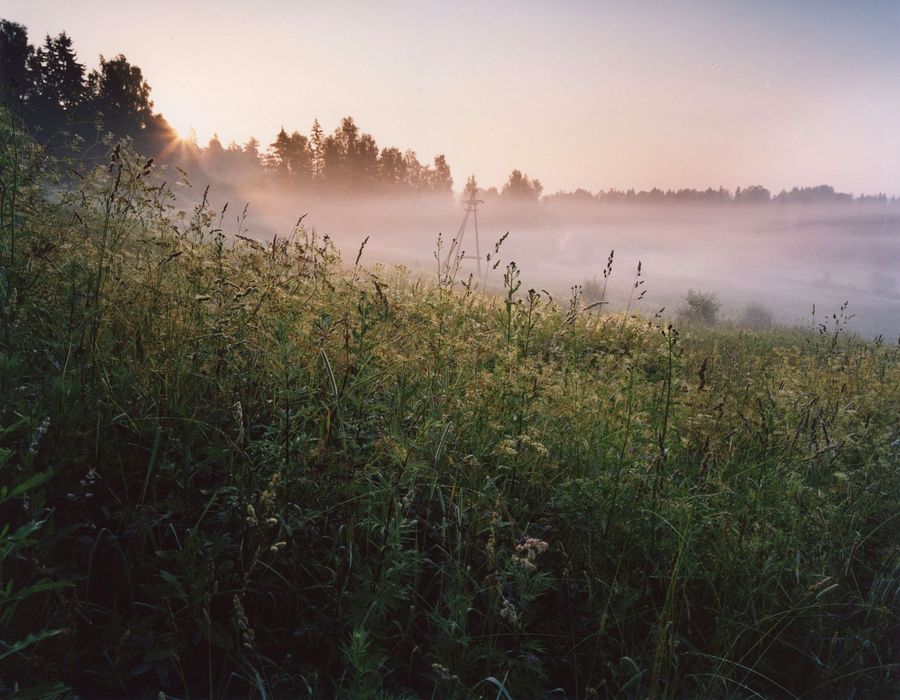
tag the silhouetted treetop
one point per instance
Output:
(15, 59)
(121, 96)
(520, 186)
(52, 92)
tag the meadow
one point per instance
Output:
(243, 468)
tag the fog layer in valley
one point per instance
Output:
(785, 257)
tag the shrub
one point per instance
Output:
(593, 291)
(756, 317)
(700, 307)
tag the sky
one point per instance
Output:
(577, 94)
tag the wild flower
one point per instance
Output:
(507, 447)
(535, 445)
(531, 547)
(269, 494)
(443, 672)
(248, 636)
(526, 553)
(508, 612)
(39, 433)
(523, 563)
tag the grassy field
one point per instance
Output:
(243, 469)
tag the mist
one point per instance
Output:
(788, 258)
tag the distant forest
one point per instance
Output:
(64, 105)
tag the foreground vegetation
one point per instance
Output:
(236, 469)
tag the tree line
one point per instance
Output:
(346, 160)
(755, 194)
(61, 102)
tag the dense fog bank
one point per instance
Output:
(785, 257)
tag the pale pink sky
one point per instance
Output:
(586, 94)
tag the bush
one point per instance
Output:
(756, 317)
(594, 293)
(700, 307)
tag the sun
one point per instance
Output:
(183, 122)
(182, 143)
(184, 134)
(188, 136)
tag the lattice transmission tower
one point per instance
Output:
(471, 208)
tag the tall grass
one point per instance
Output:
(241, 468)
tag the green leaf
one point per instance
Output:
(501, 689)
(28, 484)
(173, 580)
(27, 642)
(41, 691)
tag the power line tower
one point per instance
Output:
(471, 208)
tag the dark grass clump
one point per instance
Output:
(241, 469)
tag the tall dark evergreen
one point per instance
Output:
(15, 55)
(58, 89)
(290, 157)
